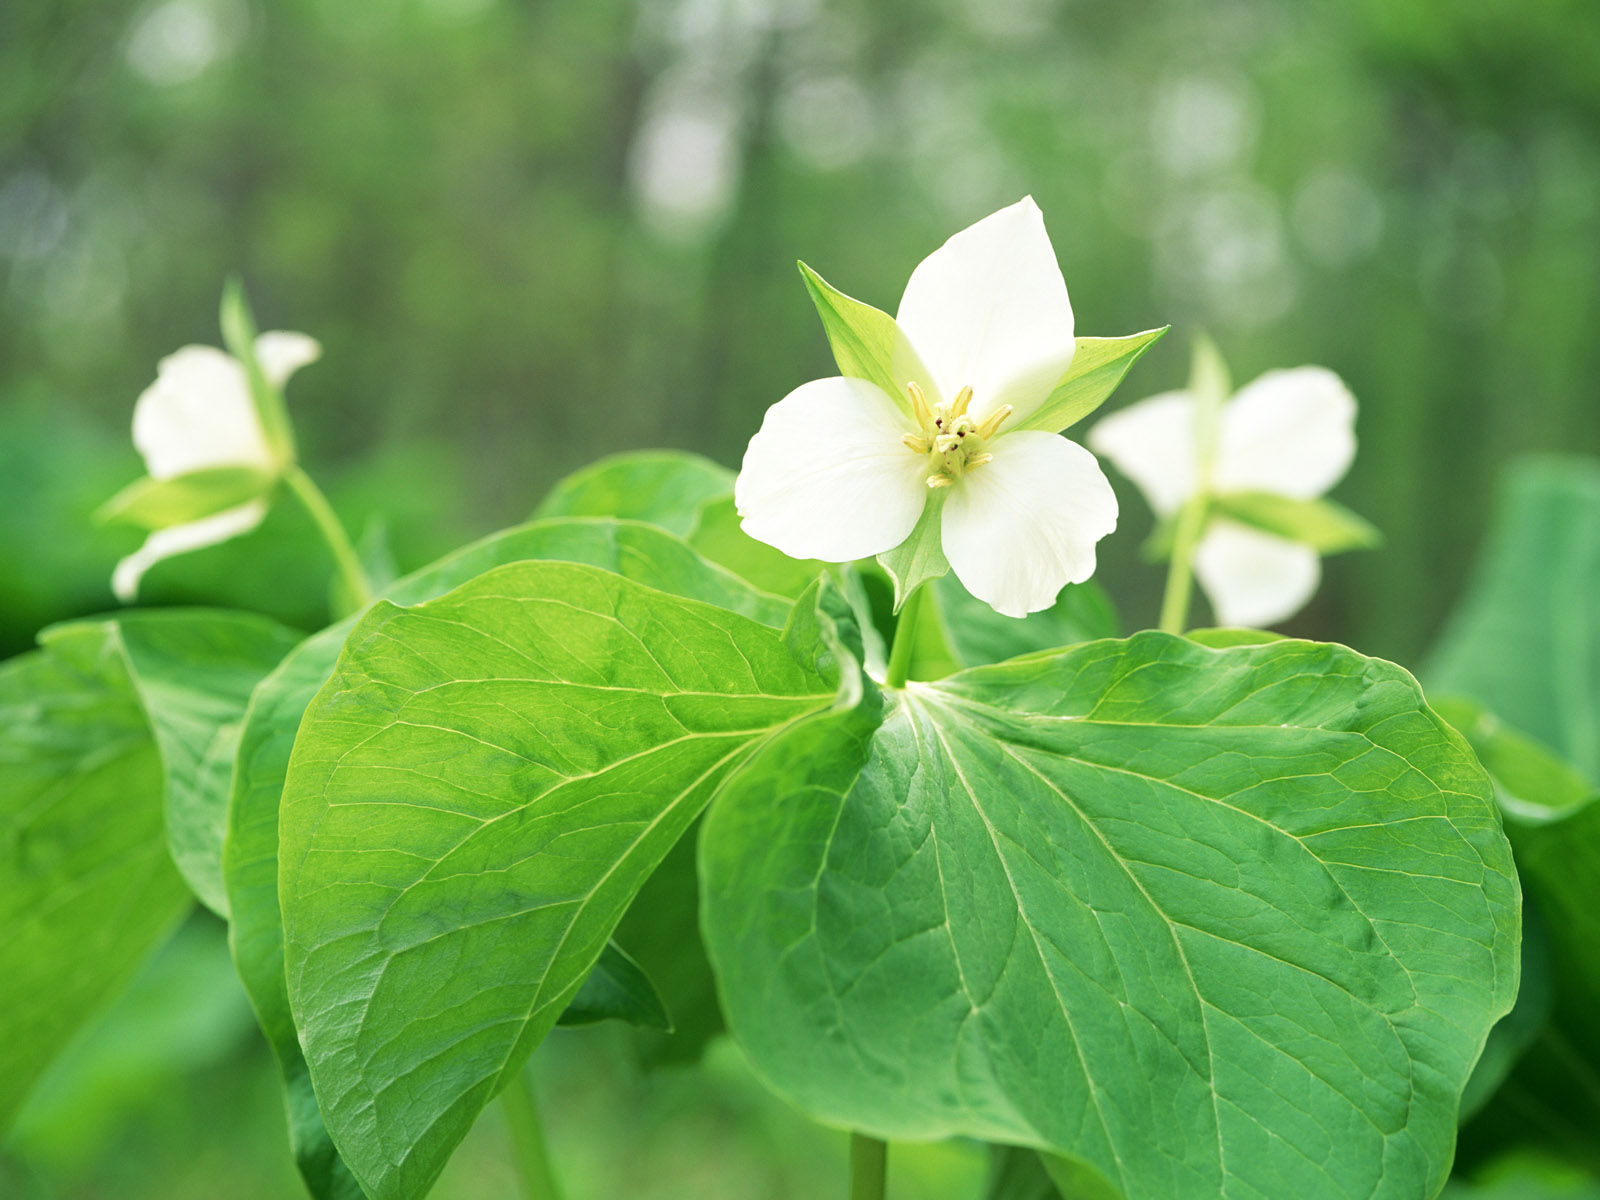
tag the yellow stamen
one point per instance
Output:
(939, 481)
(919, 444)
(977, 460)
(958, 407)
(919, 405)
(995, 419)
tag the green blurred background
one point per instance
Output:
(532, 233)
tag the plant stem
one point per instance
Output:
(905, 637)
(869, 1167)
(1180, 571)
(527, 1139)
(344, 554)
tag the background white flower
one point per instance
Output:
(842, 469)
(1288, 434)
(199, 415)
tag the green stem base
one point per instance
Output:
(869, 1167)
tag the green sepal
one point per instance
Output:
(1326, 527)
(161, 503)
(867, 343)
(617, 989)
(921, 556)
(239, 335)
(1098, 366)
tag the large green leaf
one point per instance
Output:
(978, 636)
(1526, 642)
(250, 856)
(719, 536)
(1519, 670)
(1209, 922)
(472, 802)
(87, 888)
(687, 495)
(193, 671)
(663, 487)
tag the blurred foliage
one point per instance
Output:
(532, 233)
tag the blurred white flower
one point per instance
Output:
(1289, 434)
(842, 470)
(198, 417)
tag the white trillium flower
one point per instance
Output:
(1290, 433)
(842, 470)
(199, 415)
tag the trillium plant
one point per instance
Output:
(844, 757)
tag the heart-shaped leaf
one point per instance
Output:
(472, 802)
(250, 859)
(87, 888)
(1208, 922)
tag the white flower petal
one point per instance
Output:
(282, 353)
(827, 475)
(1253, 578)
(989, 310)
(1289, 432)
(1020, 528)
(198, 414)
(1153, 444)
(180, 539)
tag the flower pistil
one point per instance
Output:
(950, 438)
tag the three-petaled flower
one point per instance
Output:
(1275, 447)
(200, 432)
(846, 468)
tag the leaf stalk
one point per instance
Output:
(344, 553)
(869, 1167)
(534, 1169)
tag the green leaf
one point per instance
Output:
(1532, 784)
(663, 487)
(1519, 670)
(193, 671)
(1207, 922)
(978, 636)
(1519, 1176)
(250, 856)
(921, 556)
(617, 989)
(1326, 527)
(1016, 1173)
(473, 800)
(717, 536)
(1098, 366)
(239, 335)
(161, 503)
(1526, 641)
(87, 888)
(867, 342)
(686, 495)
(662, 932)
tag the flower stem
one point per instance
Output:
(905, 637)
(521, 1110)
(1180, 571)
(869, 1167)
(344, 554)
